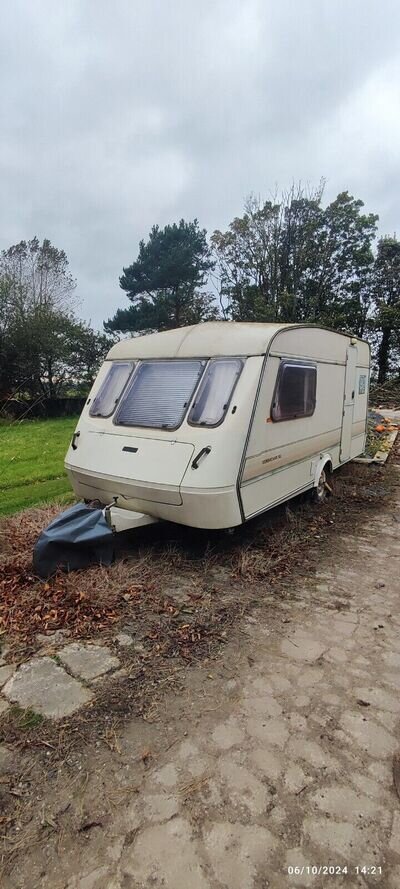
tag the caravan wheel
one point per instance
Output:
(320, 492)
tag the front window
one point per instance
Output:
(159, 393)
(215, 392)
(295, 391)
(107, 398)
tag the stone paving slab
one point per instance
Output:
(298, 771)
(123, 639)
(46, 688)
(5, 673)
(88, 661)
(287, 764)
(4, 649)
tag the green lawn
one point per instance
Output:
(32, 463)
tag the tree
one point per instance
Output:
(345, 249)
(292, 260)
(37, 275)
(87, 349)
(50, 353)
(45, 350)
(386, 294)
(7, 348)
(164, 282)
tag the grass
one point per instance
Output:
(26, 719)
(32, 463)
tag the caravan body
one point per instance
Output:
(213, 424)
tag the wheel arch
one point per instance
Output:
(324, 461)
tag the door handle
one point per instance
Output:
(202, 453)
(73, 442)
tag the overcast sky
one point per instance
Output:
(117, 115)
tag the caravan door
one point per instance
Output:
(348, 403)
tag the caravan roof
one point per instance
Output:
(206, 340)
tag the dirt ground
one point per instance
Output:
(263, 751)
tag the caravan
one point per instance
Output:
(213, 424)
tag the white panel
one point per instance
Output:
(348, 407)
(350, 376)
(132, 461)
(125, 519)
(308, 342)
(361, 394)
(292, 439)
(275, 487)
(266, 435)
(357, 446)
(214, 339)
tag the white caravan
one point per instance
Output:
(212, 424)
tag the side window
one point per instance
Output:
(107, 398)
(215, 392)
(295, 391)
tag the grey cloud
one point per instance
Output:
(119, 115)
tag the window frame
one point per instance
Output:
(133, 365)
(203, 364)
(211, 361)
(293, 362)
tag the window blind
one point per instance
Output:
(159, 394)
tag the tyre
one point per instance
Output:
(323, 488)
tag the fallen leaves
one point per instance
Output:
(28, 607)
